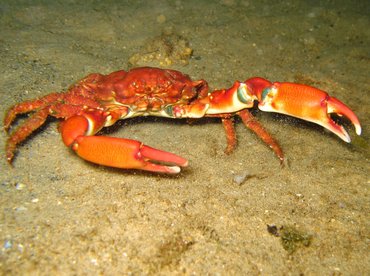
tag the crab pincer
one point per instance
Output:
(78, 133)
(304, 102)
(126, 154)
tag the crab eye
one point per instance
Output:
(169, 110)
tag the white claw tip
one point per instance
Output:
(173, 169)
(358, 129)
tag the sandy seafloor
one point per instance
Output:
(63, 216)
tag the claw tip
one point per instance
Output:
(173, 169)
(358, 129)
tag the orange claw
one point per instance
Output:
(114, 152)
(127, 154)
(304, 102)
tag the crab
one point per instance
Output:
(98, 101)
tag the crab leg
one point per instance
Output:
(228, 124)
(251, 123)
(29, 106)
(32, 123)
(114, 152)
(297, 100)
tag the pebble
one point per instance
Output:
(20, 248)
(7, 244)
(240, 178)
(20, 186)
(20, 209)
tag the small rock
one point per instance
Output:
(8, 244)
(19, 186)
(240, 178)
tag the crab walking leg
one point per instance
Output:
(307, 103)
(33, 123)
(115, 152)
(251, 123)
(228, 124)
(29, 106)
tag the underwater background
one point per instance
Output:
(238, 214)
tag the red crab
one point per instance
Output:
(98, 101)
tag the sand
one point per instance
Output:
(232, 214)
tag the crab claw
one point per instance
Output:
(127, 154)
(304, 102)
(115, 152)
